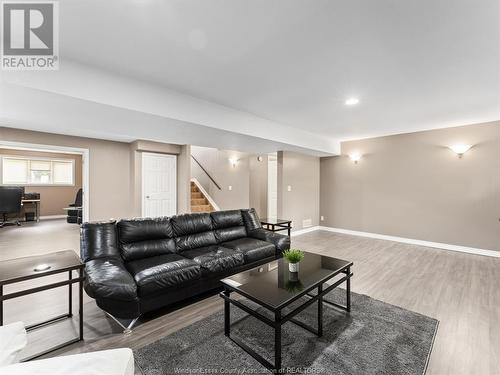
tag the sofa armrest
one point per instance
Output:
(280, 241)
(108, 278)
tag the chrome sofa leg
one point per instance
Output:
(127, 330)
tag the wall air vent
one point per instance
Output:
(306, 223)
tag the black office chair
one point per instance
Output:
(75, 216)
(10, 203)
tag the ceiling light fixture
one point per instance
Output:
(352, 101)
(460, 149)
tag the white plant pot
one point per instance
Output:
(293, 267)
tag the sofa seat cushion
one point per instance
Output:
(154, 274)
(252, 248)
(215, 259)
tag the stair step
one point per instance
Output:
(199, 201)
(201, 208)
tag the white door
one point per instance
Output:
(272, 186)
(159, 185)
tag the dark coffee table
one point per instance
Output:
(274, 287)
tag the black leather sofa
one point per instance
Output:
(135, 266)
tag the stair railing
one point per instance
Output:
(208, 174)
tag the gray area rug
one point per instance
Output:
(375, 338)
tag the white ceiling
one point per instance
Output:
(290, 64)
(60, 114)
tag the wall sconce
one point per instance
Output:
(355, 157)
(233, 161)
(460, 149)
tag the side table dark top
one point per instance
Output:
(276, 225)
(20, 269)
(275, 221)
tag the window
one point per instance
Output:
(25, 171)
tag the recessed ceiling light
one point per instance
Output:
(352, 101)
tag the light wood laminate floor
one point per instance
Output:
(462, 291)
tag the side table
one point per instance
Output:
(33, 267)
(276, 225)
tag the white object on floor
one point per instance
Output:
(107, 362)
(12, 341)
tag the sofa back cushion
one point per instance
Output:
(98, 240)
(228, 225)
(192, 231)
(145, 237)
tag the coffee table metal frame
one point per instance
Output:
(280, 319)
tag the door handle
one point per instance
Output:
(147, 197)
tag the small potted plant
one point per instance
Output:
(293, 256)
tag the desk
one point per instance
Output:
(36, 202)
(76, 208)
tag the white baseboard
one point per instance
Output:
(304, 231)
(53, 217)
(436, 245)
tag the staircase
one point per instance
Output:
(199, 203)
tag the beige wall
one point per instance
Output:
(413, 186)
(216, 162)
(52, 198)
(301, 173)
(248, 178)
(109, 169)
(258, 184)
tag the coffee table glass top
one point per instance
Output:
(272, 284)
